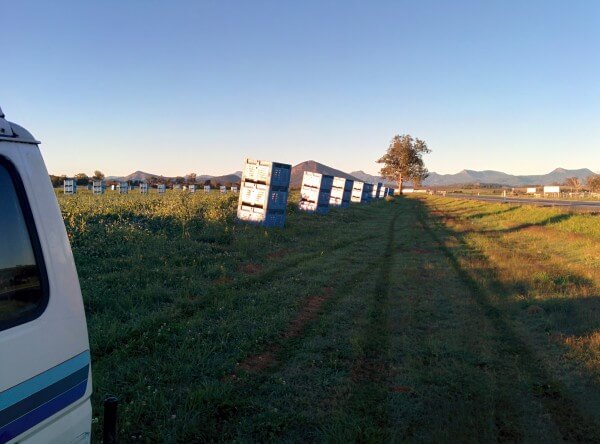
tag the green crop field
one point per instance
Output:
(414, 319)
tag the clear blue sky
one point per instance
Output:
(195, 86)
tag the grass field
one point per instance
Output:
(419, 319)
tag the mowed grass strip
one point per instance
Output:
(391, 321)
(534, 277)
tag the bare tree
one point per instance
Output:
(593, 182)
(574, 182)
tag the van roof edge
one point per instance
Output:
(12, 132)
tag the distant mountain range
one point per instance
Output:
(142, 175)
(465, 177)
(558, 176)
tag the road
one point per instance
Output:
(569, 204)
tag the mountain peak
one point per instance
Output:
(313, 167)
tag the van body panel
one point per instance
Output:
(47, 347)
(71, 427)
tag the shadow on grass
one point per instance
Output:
(544, 223)
(573, 423)
(491, 213)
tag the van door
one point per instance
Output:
(45, 378)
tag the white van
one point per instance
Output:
(45, 376)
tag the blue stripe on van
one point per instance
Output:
(43, 380)
(56, 388)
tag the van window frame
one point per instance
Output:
(36, 246)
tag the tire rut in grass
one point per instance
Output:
(187, 308)
(572, 424)
(370, 373)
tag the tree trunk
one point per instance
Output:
(400, 185)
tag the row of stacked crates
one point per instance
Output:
(315, 193)
(264, 192)
(98, 187)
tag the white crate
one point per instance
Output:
(315, 192)
(161, 188)
(266, 172)
(254, 194)
(223, 189)
(144, 188)
(250, 213)
(123, 187)
(207, 188)
(273, 218)
(357, 192)
(234, 190)
(177, 186)
(192, 188)
(264, 196)
(70, 186)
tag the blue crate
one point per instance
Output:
(274, 218)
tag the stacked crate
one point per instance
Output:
(144, 187)
(357, 192)
(234, 190)
(315, 192)
(377, 190)
(223, 189)
(207, 188)
(264, 192)
(367, 192)
(161, 188)
(70, 186)
(98, 187)
(341, 191)
(192, 188)
(123, 187)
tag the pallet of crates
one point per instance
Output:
(70, 186)
(367, 192)
(143, 187)
(123, 187)
(357, 192)
(264, 192)
(98, 187)
(315, 192)
(341, 192)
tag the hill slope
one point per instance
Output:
(314, 167)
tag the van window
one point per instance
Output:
(22, 295)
